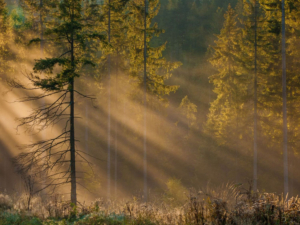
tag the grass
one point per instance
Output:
(230, 204)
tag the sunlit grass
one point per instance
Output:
(229, 204)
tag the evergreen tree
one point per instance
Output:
(292, 23)
(126, 51)
(251, 57)
(230, 82)
(230, 112)
(156, 68)
(70, 31)
(112, 60)
(274, 97)
(5, 36)
(36, 12)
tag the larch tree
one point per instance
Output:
(69, 31)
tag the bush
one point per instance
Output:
(176, 193)
(7, 218)
(5, 202)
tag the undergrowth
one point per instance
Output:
(231, 204)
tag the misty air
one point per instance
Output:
(149, 112)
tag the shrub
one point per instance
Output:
(176, 193)
(5, 202)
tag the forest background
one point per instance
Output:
(190, 144)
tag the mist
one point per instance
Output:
(200, 97)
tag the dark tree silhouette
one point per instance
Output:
(56, 157)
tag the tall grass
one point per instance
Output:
(229, 204)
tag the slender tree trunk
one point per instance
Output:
(116, 130)
(86, 133)
(109, 117)
(145, 106)
(291, 155)
(255, 102)
(44, 133)
(237, 145)
(72, 129)
(72, 144)
(42, 30)
(86, 127)
(285, 149)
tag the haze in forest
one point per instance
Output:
(200, 95)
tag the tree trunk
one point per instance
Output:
(72, 144)
(285, 150)
(145, 106)
(116, 130)
(255, 102)
(109, 119)
(72, 129)
(42, 31)
(86, 135)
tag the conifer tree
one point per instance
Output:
(253, 40)
(5, 36)
(230, 82)
(292, 54)
(70, 32)
(36, 11)
(126, 52)
(228, 119)
(275, 83)
(156, 69)
(112, 60)
(117, 59)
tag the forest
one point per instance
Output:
(149, 112)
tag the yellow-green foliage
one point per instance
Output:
(176, 193)
(189, 110)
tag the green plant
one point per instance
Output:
(73, 213)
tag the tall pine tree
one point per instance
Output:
(69, 33)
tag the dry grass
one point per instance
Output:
(230, 204)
